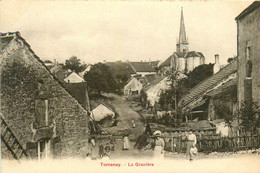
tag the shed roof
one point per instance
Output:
(226, 86)
(208, 84)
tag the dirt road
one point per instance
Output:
(126, 115)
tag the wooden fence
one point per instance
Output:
(214, 143)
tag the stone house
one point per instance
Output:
(42, 115)
(248, 51)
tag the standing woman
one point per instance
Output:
(159, 145)
(191, 142)
(126, 143)
(94, 148)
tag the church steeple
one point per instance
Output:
(182, 44)
(182, 34)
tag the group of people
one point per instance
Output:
(100, 151)
(159, 145)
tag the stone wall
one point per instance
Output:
(23, 76)
(249, 35)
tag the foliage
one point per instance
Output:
(100, 79)
(166, 100)
(143, 98)
(121, 80)
(74, 64)
(169, 98)
(180, 87)
(224, 110)
(248, 114)
(229, 60)
(121, 72)
(199, 74)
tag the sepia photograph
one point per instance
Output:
(130, 86)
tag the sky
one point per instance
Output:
(95, 31)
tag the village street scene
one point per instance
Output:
(189, 105)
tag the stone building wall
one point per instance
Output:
(23, 76)
(249, 36)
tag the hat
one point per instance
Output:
(157, 133)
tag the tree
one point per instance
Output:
(121, 80)
(199, 74)
(74, 64)
(100, 79)
(143, 98)
(248, 114)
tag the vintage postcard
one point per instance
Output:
(130, 86)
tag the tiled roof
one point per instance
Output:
(119, 67)
(180, 54)
(226, 86)
(147, 79)
(201, 54)
(4, 41)
(167, 62)
(154, 63)
(208, 84)
(176, 55)
(142, 67)
(193, 54)
(248, 10)
(159, 79)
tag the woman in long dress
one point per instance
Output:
(159, 145)
(126, 143)
(94, 148)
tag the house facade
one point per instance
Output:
(155, 88)
(248, 51)
(133, 87)
(45, 119)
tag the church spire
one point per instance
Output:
(182, 34)
(182, 44)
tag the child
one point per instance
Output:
(107, 149)
(101, 150)
(106, 157)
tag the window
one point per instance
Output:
(248, 60)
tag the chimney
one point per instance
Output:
(216, 65)
(55, 61)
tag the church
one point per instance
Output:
(182, 60)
